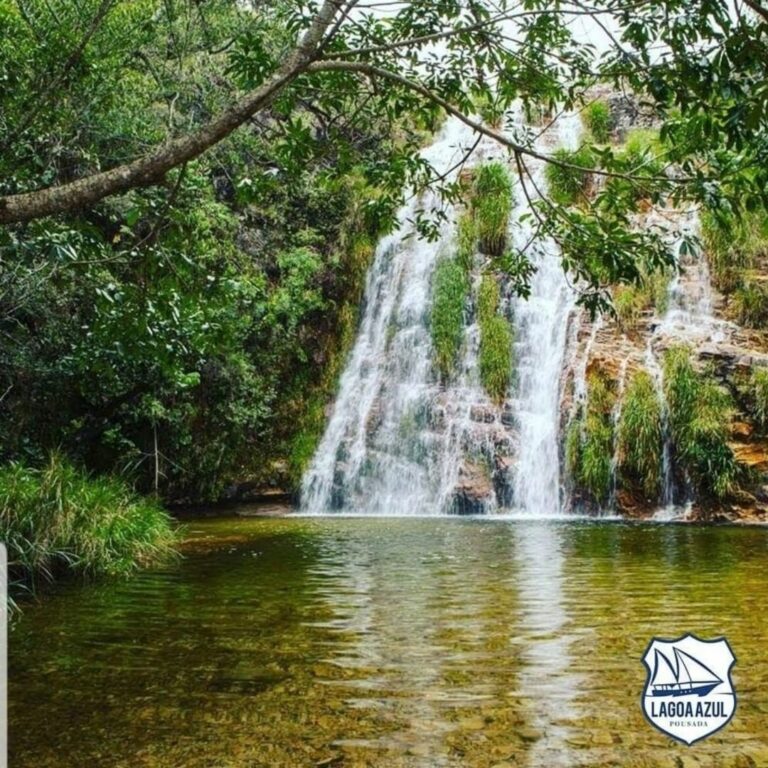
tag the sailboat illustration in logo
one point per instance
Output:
(686, 677)
(689, 693)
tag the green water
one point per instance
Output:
(391, 642)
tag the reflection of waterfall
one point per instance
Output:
(547, 685)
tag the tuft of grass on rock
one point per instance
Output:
(466, 241)
(491, 206)
(734, 244)
(569, 186)
(631, 300)
(641, 155)
(750, 303)
(758, 396)
(589, 440)
(640, 436)
(58, 519)
(450, 289)
(496, 339)
(597, 119)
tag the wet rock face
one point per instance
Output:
(474, 490)
(627, 114)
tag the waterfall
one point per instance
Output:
(380, 453)
(541, 324)
(400, 441)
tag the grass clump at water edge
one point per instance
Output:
(58, 519)
(589, 441)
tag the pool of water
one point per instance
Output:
(390, 642)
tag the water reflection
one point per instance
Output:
(548, 684)
(413, 643)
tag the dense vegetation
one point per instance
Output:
(699, 418)
(54, 518)
(188, 335)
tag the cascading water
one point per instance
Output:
(401, 442)
(380, 451)
(541, 323)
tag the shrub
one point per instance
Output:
(450, 289)
(58, 518)
(496, 340)
(750, 304)
(567, 186)
(597, 119)
(589, 441)
(491, 206)
(640, 436)
(699, 416)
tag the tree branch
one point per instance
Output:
(374, 71)
(153, 166)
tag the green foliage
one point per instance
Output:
(491, 206)
(496, 338)
(631, 300)
(750, 304)
(449, 292)
(597, 119)
(758, 396)
(59, 519)
(589, 440)
(569, 186)
(640, 436)
(700, 413)
(735, 243)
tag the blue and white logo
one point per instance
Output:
(689, 693)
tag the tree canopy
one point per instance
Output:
(317, 73)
